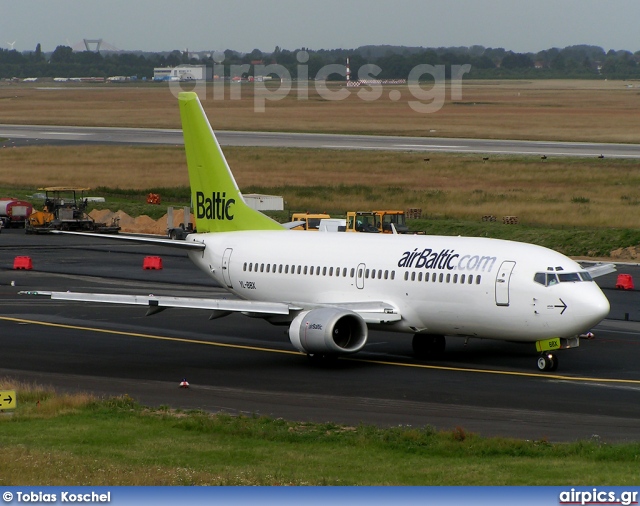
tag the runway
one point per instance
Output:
(241, 365)
(20, 135)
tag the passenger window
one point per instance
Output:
(353, 272)
(419, 276)
(455, 278)
(366, 273)
(478, 279)
(462, 279)
(470, 279)
(244, 267)
(344, 273)
(393, 274)
(386, 274)
(441, 277)
(279, 269)
(413, 276)
(261, 267)
(406, 276)
(268, 268)
(433, 277)
(448, 278)
(324, 271)
(330, 271)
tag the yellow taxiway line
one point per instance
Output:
(287, 352)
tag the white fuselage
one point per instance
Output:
(462, 286)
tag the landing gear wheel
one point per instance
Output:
(548, 362)
(426, 346)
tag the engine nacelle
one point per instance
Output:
(328, 331)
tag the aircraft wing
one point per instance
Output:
(599, 269)
(158, 241)
(371, 312)
(159, 302)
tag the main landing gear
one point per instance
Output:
(547, 362)
(427, 346)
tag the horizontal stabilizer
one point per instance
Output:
(158, 241)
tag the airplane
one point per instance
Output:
(331, 288)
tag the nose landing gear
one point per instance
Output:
(547, 362)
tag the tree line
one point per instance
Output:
(395, 62)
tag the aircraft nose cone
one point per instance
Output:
(597, 306)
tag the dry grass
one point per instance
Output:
(584, 192)
(38, 401)
(603, 111)
(85, 165)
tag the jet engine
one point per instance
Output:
(328, 331)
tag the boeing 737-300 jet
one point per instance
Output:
(331, 288)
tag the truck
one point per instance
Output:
(14, 212)
(65, 209)
(311, 220)
(377, 221)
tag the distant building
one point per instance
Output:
(183, 73)
(264, 202)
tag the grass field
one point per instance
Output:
(557, 192)
(81, 440)
(604, 111)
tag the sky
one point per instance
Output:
(243, 25)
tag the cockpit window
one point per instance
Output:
(549, 278)
(569, 276)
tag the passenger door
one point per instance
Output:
(503, 279)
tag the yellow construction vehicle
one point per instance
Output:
(377, 221)
(311, 220)
(64, 209)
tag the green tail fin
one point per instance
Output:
(218, 203)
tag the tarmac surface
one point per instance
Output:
(241, 365)
(20, 135)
